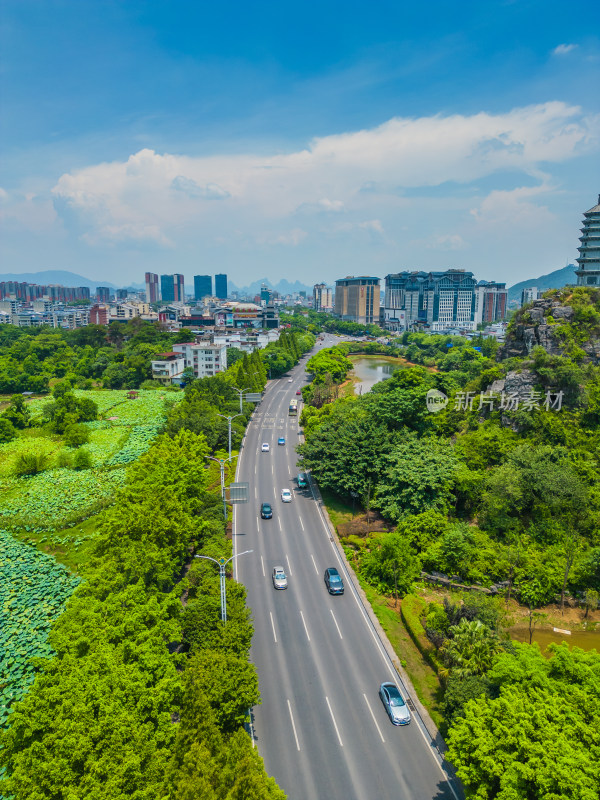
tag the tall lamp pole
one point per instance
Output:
(241, 394)
(221, 463)
(229, 420)
(222, 563)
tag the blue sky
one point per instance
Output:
(297, 140)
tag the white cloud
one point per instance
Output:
(291, 238)
(563, 49)
(162, 197)
(513, 210)
(367, 225)
(450, 241)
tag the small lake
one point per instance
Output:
(371, 369)
(587, 640)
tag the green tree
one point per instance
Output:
(391, 564)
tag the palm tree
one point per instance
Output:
(470, 649)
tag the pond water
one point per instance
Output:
(371, 369)
(587, 640)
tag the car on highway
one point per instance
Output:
(394, 704)
(333, 581)
(302, 480)
(279, 578)
(266, 512)
(281, 440)
(299, 392)
(290, 380)
(286, 496)
(265, 447)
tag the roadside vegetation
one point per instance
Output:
(503, 502)
(136, 689)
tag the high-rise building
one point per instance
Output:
(529, 295)
(103, 294)
(202, 286)
(357, 299)
(322, 297)
(121, 294)
(152, 288)
(588, 273)
(221, 287)
(172, 288)
(265, 295)
(490, 302)
(440, 300)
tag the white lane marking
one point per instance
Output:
(262, 563)
(301, 523)
(255, 493)
(289, 568)
(305, 628)
(273, 626)
(279, 523)
(275, 493)
(374, 720)
(293, 725)
(334, 722)
(257, 524)
(378, 643)
(314, 563)
(336, 625)
(271, 468)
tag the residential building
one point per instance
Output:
(123, 311)
(202, 287)
(221, 287)
(103, 294)
(322, 297)
(99, 314)
(204, 359)
(529, 295)
(168, 368)
(437, 300)
(121, 294)
(357, 299)
(152, 288)
(491, 299)
(247, 340)
(266, 296)
(588, 273)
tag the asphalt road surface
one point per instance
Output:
(321, 728)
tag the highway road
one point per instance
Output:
(321, 728)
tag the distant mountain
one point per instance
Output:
(554, 280)
(58, 276)
(283, 287)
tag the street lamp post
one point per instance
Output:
(241, 394)
(229, 420)
(221, 463)
(222, 563)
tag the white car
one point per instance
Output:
(279, 578)
(265, 447)
(286, 496)
(290, 380)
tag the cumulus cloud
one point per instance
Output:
(563, 49)
(450, 241)
(291, 238)
(366, 225)
(513, 210)
(158, 196)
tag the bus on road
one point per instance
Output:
(293, 410)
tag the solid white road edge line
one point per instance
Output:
(334, 722)
(374, 720)
(305, 628)
(293, 725)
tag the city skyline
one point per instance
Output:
(402, 139)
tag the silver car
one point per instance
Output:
(286, 496)
(394, 704)
(279, 578)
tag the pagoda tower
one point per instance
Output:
(588, 273)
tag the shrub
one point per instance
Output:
(82, 460)
(30, 463)
(7, 430)
(76, 435)
(64, 459)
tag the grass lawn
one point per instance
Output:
(69, 546)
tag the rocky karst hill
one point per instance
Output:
(565, 322)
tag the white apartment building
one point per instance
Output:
(204, 359)
(169, 368)
(247, 341)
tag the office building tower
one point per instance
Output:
(121, 294)
(179, 288)
(490, 302)
(103, 294)
(322, 297)
(172, 289)
(152, 288)
(221, 287)
(438, 300)
(202, 286)
(588, 272)
(357, 299)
